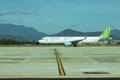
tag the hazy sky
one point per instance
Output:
(51, 16)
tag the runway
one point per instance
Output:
(42, 62)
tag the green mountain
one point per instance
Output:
(70, 32)
(27, 33)
(115, 34)
(23, 33)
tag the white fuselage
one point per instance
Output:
(62, 40)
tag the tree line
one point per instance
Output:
(16, 42)
(34, 42)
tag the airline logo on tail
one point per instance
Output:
(105, 34)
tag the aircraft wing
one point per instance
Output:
(76, 41)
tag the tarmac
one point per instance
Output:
(42, 62)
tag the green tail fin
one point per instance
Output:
(106, 33)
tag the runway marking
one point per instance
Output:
(95, 72)
(60, 66)
(9, 62)
(68, 76)
(102, 54)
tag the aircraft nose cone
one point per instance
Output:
(40, 41)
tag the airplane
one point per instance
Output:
(67, 41)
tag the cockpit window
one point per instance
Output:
(42, 39)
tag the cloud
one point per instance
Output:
(35, 12)
(14, 13)
(29, 20)
(3, 21)
(73, 25)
